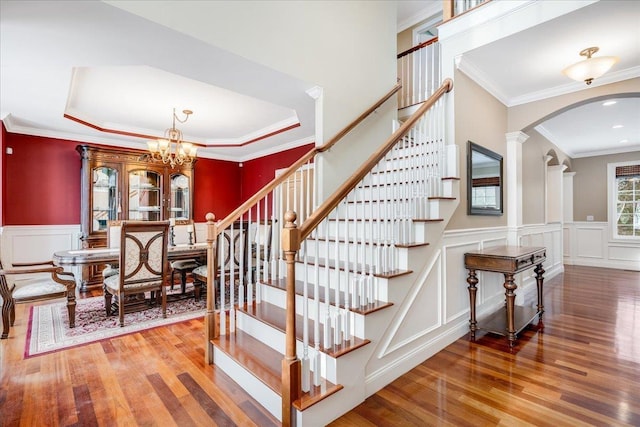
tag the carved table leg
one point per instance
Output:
(510, 287)
(539, 280)
(472, 280)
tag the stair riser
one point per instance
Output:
(372, 287)
(402, 230)
(275, 339)
(383, 257)
(390, 179)
(355, 322)
(414, 206)
(268, 398)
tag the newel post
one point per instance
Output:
(210, 328)
(447, 10)
(291, 385)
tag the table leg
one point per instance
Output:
(472, 280)
(540, 280)
(510, 287)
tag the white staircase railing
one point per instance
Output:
(354, 248)
(419, 70)
(342, 255)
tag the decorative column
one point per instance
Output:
(513, 184)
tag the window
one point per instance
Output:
(624, 179)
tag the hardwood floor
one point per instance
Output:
(583, 368)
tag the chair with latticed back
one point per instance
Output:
(183, 266)
(35, 287)
(143, 265)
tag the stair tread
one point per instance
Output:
(365, 309)
(354, 268)
(276, 317)
(265, 364)
(262, 361)
(373, 243)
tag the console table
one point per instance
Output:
(509, 260)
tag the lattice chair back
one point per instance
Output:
(143, 265)
(143, 254)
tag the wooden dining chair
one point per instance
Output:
(183, 266)
(113, 241)
(143, 266)
(33, 286)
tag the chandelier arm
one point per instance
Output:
(163, 150)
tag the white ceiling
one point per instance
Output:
(527, 66)
(112, 73)
(123, 74)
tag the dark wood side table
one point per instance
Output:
(509, 260)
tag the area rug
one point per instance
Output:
(49, 330)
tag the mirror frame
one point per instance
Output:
(476, 210)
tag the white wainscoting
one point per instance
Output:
(490, 286)
(588, 243)
(36, 243)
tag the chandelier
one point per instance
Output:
(590, 68)
(172, 149)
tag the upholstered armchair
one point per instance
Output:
(143, 266)
(33, 286)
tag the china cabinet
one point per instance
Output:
(123, 184)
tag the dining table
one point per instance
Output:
(97, 256)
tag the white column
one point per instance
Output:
(513, 184)
(567, 196)
(554, 202)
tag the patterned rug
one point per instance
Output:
(49, 330)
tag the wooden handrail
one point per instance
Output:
(360, 118)
(331, 202)
(240, 210)
(417, 47)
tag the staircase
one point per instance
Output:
(314, 327)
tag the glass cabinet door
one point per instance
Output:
(145, 195)
(104, 197)
(180, 199)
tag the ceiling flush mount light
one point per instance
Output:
(590, 68)
(172, 149)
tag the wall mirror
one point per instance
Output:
(484, 181)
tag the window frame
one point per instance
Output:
(612, 200)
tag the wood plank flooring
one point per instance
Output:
(582, 369)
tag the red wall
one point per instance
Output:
(41, 181)
(217, 185)
(257, 173)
